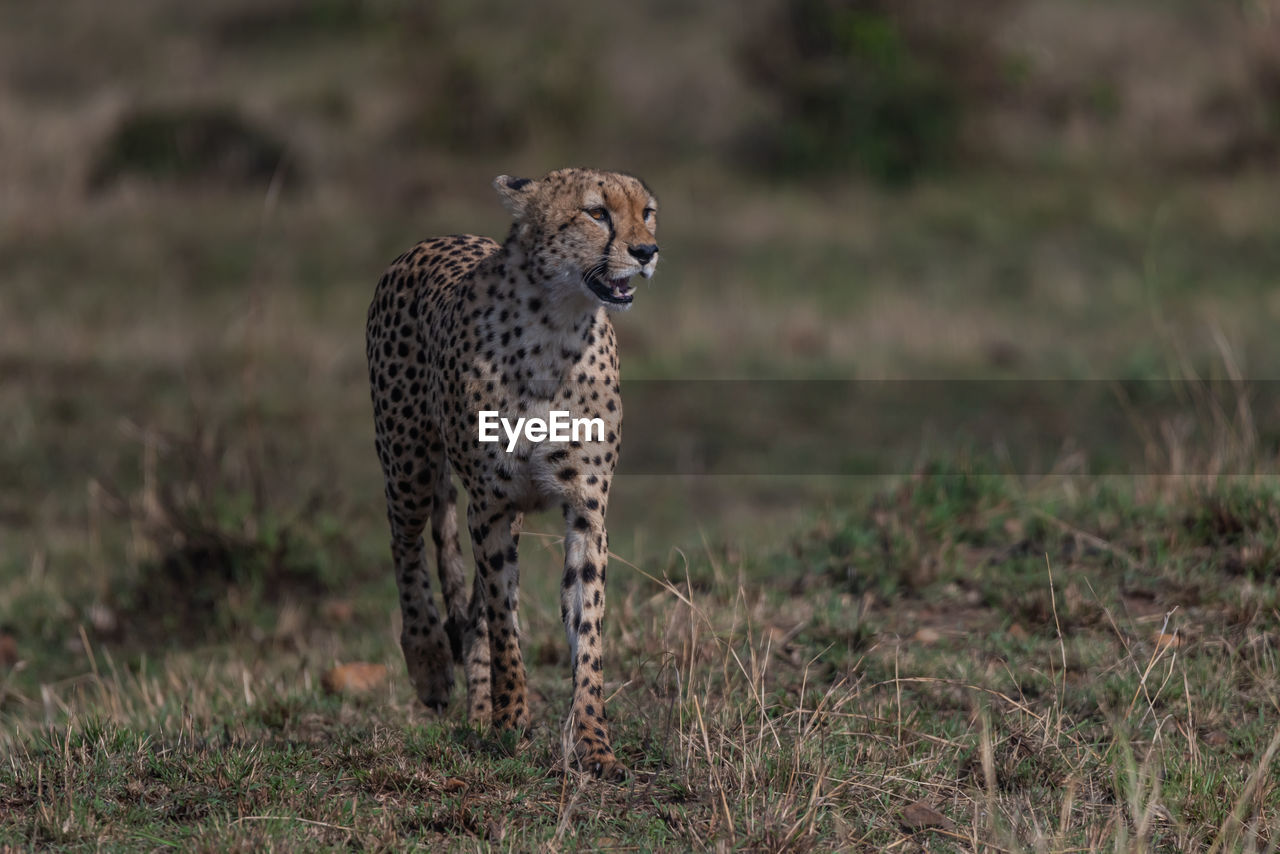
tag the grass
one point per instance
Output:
(1055, 666)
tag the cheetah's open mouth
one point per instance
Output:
(616, 291)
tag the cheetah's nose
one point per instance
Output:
(643, 252)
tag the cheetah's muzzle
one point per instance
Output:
(613, 291)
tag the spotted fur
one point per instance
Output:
(461, 324)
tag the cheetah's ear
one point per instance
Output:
(515, 193)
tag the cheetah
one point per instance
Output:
(460, 325)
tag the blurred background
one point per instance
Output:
(197, 199)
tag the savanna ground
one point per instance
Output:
(960, 657)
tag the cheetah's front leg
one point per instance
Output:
(497, 599)
(586, 553)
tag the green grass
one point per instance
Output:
(795, 660)
(986, 645)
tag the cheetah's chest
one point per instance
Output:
(509, 363)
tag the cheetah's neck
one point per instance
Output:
(543, 321)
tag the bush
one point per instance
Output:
(877, 84)
(192, 144)
(214, 558)
(492, 92)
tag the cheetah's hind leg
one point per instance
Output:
(423, 640)
(444, 533)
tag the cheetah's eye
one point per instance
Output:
(648, 212)
(597, 213)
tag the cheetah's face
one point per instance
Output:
(587, 233)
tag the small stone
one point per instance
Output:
(103, 619)
(338, 611)
(1216, 738)
(920, 815)
(927, 635)
(8, 650)
(358, 677)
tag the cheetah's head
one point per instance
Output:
(586, 233)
